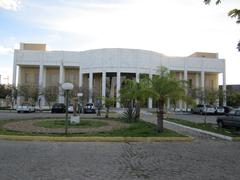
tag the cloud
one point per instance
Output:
(10, 4)
(4, 50)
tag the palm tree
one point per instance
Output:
(132, 94)
(108, 102)
(161, 87)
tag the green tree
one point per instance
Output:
(132, 95)
(5, 90)
(51, 94)
(233, 98)
(211, 96)
(164, 86)
(29, 92)
(234, 13)
(108, 103)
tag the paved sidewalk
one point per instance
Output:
(152, 118)
(197, 160)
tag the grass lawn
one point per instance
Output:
(137, 129)
(60, 123)
(208, 127)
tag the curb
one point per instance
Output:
(228, 138)
(95, 139)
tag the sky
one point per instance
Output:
(172, 27)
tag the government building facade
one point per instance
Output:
(101, 72)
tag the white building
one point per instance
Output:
(102, 69)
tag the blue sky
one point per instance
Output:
(173, 27)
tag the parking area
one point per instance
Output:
(7, 115)
(194, 117)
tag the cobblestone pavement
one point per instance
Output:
(197, 160)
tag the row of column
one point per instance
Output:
(61, 81)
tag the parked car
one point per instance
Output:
(70, 108)
(78, 109)
(25, 107)
(231, 119)
(202, 109)
(219, 110)
(89, 108)
(227, 109)
(58, 108)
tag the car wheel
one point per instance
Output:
(220, 124)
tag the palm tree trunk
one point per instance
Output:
(160, 115)
(137, 109)
(107, 112)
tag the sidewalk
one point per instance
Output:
(148, 117)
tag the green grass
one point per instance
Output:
(57, 123)
(208, 127)
(137, 129)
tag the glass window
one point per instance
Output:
(237, 113)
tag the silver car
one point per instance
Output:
(232, 119)
(25, 107)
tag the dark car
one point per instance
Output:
(231, 119)
(89, 108)
(58, 108)
(227, 109)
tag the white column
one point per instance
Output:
(202, 82)
(80, 78)
(19, 82)
(41, 84)
(150, 101)
(103, 86)
(197, 85)
(137, 77)
(14, 77)
(185, 76)
(61, 81)
(180, 101)
(118, 88)
(90, 85)
(224, 89)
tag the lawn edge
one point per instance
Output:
(217, 135)
(95, 139)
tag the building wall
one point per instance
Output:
(52, 76)
(73, 65)
(29, 75)
(211, 81)
(72, 76)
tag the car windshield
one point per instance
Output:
(209, 106)
(89, 104)
(25, 104)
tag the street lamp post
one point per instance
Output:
(67, 87)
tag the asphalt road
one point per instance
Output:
(197, 160)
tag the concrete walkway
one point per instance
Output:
(148, 117)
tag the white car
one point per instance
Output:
(25, 107)
(202, 109)
(209, 109)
